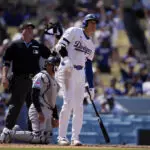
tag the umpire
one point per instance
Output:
(24, 55)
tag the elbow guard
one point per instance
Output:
(35, 93)
(61, 50)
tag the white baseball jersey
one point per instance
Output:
(78, 45)
(48, 88)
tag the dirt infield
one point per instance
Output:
(66, 147)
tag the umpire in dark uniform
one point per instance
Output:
(24, 55)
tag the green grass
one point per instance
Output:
(85, 147)
(110, 148)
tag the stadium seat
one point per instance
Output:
(137, 123)
(121, 127)
(128, 138)
(114, 137)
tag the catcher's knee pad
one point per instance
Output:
(47, 137)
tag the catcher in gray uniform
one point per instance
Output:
(43, 111)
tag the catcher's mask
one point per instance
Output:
(54, 61)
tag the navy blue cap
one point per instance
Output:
(27, 24)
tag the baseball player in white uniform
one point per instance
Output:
(75, 47)
(43, 111)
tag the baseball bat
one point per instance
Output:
(101, 125)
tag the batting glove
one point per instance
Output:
(92, 92)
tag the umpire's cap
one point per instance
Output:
(55, 61)
(27, 24)
(87, 18)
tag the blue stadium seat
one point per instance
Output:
(127, 117)
(114, 137)
(121, 127)
(146, 124)
(137, 123)
(89, 109)
(128, 138)
(144, 117)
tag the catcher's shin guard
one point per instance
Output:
(30, 137)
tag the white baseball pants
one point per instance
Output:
(73, 95)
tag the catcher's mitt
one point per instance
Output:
(55, 123)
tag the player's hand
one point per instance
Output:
(67, 64)
(41, 117)
(55, 123)
(92, 92)
(5, 82)
(89, 92)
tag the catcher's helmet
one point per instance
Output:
(55, 61)
(87, 18)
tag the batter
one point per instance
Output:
(75, 47)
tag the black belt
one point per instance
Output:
(78, 67)
(28, 76)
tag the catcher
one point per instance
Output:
(43, 111)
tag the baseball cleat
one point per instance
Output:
(76, 143)
(5, 137)
(63, 141)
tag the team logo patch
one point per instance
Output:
(35, 51)
(79, 47)
(37, 82)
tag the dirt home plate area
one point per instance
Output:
(56, 147)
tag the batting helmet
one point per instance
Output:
(55, 61)
(87, 18)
